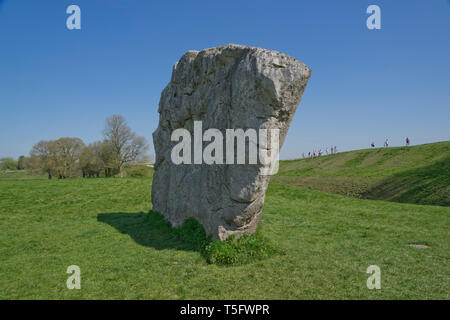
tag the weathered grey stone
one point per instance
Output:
(227, 87)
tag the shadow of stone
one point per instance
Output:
(152, 230)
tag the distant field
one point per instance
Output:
(416, 174)
(328, 241)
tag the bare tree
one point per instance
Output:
(125, 145)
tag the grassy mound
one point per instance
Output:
(417, 174)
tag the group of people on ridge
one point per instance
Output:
(319, 152)
(333, 150)
(386, 143)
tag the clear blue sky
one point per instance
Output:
(366, 84)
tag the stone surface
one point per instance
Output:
(227, 87)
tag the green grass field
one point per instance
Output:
(326, 241)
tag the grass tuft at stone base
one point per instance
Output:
(246, 249)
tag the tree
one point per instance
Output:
(33, 164)
(58, 157)
(124, 145)
(8, 164)
(91, 162)
(67, 152)
(41, 152)
(107, 156)
(21, 163)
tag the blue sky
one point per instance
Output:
(366, 84)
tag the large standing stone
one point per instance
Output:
(227, 87)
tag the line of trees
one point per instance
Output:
(69, 157)
(9, 164)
